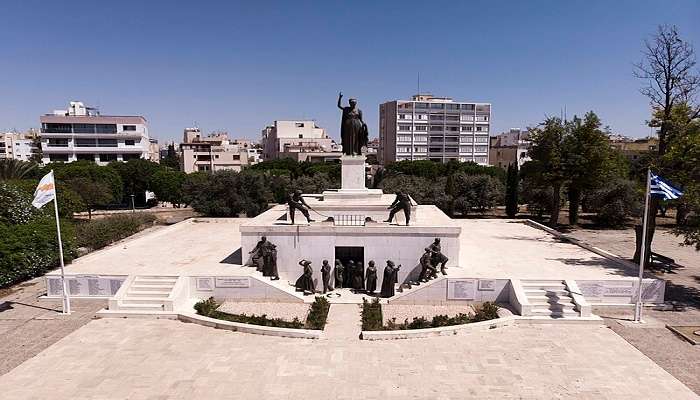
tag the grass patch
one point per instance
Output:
(315, 320)
(372, 318)
(99, 233)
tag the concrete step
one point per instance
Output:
(546, 292)
(555, 313)
(143, 300)
(141, 307)
(143, 293)
(553, 286)
(552, 306)
(154, 282)
(151, 287)
(549, 299)
(157, 277)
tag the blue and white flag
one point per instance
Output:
(659, 187)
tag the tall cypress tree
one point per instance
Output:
(512, 190)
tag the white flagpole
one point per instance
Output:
(66, 299)
(642, 253)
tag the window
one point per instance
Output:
(420, 139)
(452, 128)
(465, 139)
(127, 157)
(108, 157)
(57, 128)
(465, 149)
(216, 156)
(107, 142)
(236, 156)
(421, 105)
(301, 136)
(203, 168)
(106, 128)
(481, 149)
(402, 116)
(58, 157)
(437, 106)
(482, 140)
(478, 129)
(436, 149)
(203, 157)
(453, 106)
(58, 143)
(129, 143)
(468, 107)
(481, 160)
(452, 117)
(467, 128)
(84, 128)
(84, 143)
(129, 128)
(403, 138)
(299, 124)
(404, 127)
(420, 128)
(436, 140)
(436, 128)
(85, 157)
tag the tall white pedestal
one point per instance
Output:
(353, 181)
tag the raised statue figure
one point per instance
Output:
(438, 258)
(295, 201)
(339, 274)
(427, 270)
(371, 285)
(326, 276)
(305, 283)
(391, 277)
(402, 202)
(353, 130)
(358, 277)
(264, 257)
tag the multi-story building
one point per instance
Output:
(434, 128)
(633, 149)
(20, 146)
(211, 153)
(81, 133)
(300, 140)
(510, 147)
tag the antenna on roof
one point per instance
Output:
(418, 93)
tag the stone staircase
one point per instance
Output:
(550, 298)
(147, 293)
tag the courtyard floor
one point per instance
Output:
(157, 359)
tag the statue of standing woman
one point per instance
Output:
(353, 130)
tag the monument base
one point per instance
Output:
(352, 194)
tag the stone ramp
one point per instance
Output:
(344, 322)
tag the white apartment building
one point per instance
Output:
(81, 133)
(300, 140)
(19, 146)
(434, 128)
(510, 147)
(211, 153)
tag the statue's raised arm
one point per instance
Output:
(340, 97)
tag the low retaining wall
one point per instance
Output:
(473, 327)
(249, 328)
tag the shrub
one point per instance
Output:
(208, 308)
(99, 233)
(31, 249)
(372, 315)
(485, 312)
(614, 203)
(318, 314)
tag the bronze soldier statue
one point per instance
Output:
(339, 274)
(326, 276)
(391, 277)
(402, 202)
(353, 130)
(438, 257)
(296, 201)
(305, 283)
(264, 257)
(371, 286)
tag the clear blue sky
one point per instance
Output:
(238, 66)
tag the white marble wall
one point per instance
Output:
(402, 248)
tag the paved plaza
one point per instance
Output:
(211, 245)
(158, 359)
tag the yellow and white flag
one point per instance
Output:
(45, 191)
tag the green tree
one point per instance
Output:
(476, 192)
(136, 177)
(588, 159)
(548, 158)
(93, 193)
(614, 202)
(668, 69)
(96, 185)
(227, 193)
(15, 169)
(171, 159)
(512, 183)
(167, 184)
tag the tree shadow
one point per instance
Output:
(9, 305)
(532, 239)
(618, 269)
(686, 295)
(234, 258)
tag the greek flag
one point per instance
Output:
(661, 188)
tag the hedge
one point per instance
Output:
(372, 318)
(98, 233)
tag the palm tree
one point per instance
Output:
(14, 169)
